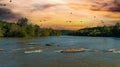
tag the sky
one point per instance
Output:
(62, 14)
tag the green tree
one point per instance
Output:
(24, 29)
(116, 29)
(1, 33)
(22, 21)
(30, 30)
(37, 31)
(45, 32)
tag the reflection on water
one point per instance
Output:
(35, 53)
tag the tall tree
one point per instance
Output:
(22, 21)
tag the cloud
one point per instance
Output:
(109, 5)
(57, 12)
(116, 6)
(2, 4)
(42, 7)
(7, 14)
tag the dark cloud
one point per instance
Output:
(7, 14)
(2, 4)
(42, 7)
(48, 6)
(112, 5)
(116, 7)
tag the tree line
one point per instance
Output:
(104, 31)
(22, 28)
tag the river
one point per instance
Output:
(15, 53)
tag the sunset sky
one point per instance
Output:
(62, 14)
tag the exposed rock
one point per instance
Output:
(111, 50)
(1, 50)
(33, 51)
(114, 51)
(50, 44)
(74, 50)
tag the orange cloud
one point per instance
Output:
(56, 13)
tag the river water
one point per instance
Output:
(32, 52)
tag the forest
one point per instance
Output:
(22, 28)
(104, 31)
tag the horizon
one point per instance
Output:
(62, 14)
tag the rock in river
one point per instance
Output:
(74, 50)
(51, 44)
(1, 50)
(33, 51)
(114, 51)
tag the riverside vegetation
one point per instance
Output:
(105, 31)
(22, 28)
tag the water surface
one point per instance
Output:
(14, 52)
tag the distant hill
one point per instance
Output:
(66, 32)
(105, 31)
